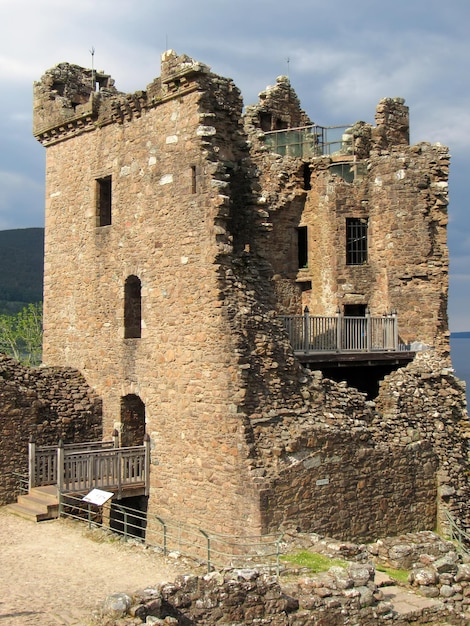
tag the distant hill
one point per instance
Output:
(21, 268)
(460, 335)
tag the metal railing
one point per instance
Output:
(339, 333)
(215, 550)
(459, 537)
(81, 467)
(310, 141)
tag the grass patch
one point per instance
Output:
(313, 561)
(397, 574)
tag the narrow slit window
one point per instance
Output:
(103, 201)
(132, 308)
(302, 246)
(356, 241)
(193, 179)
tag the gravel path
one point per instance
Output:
(53, 573)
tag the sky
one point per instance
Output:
(342, 57)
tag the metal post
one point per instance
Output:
(164, 534)
(208, 549)
(60, 467)
(31, 462)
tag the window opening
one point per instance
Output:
(132, 308)
(307, 175)
(280, 124)
(305, 285)
(265, 122)
(356, 241)
(355, 310)
(193, 179)
(103, 201)
(302, 246)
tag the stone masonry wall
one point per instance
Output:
(47, 403)
(400, 190)
(206, 218)
(426, 402)
(171, 162)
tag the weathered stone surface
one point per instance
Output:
(47, 403)
(205, 216)
(243, 598)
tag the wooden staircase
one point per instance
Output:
(41, 503)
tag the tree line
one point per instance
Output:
(21, 334)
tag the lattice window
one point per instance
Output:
(356, 241)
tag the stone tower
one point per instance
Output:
(172, 245)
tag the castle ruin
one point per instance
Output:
(191, 248)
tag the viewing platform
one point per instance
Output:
(340, 340)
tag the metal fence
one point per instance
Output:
(214, 550)
(309, 141)
(338, 333)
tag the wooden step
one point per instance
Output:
(40, 504)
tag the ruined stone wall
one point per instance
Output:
(171, 164)
(426, 402)
(47, 403)
(242, 437)
(350, 467)
(399, 190)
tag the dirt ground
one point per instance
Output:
(56, 572)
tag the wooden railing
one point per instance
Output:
(77, 468)
(338, 333)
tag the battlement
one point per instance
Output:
(70, 100)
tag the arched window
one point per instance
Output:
(132, 308)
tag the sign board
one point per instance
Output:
(98, 496)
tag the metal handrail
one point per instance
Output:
(213, 549)
(458, 536)
(311, 140)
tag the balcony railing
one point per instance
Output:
(338, 333)
(310, 141)
(80, 467)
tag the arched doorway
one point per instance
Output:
(132, 420)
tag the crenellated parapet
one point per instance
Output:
(70, 100)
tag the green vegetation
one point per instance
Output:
(397, 574)
(21, 334)
(315, 562)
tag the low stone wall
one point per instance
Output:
(48, 403)
(243, 597)
(345, 595)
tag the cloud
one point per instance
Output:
(21, 201)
